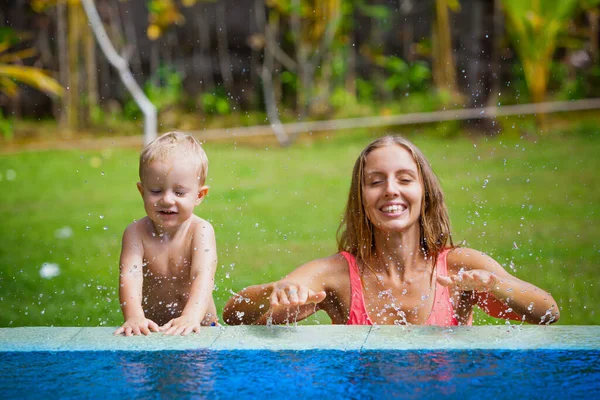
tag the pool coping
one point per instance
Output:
(308, 337)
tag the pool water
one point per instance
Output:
(299, 374)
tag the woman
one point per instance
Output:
(396, 262)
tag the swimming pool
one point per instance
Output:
(316, 361)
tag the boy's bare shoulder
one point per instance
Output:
(202, 226)
(140, 228)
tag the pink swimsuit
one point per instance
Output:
(442, 313)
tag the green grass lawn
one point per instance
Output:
(531, 204)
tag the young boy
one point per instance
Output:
(168, 258)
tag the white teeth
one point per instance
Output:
(391, 209)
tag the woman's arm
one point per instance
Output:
(291, 299)
(497, 292)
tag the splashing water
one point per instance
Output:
(49, 270)
(63, 233)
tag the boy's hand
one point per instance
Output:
(476, 279)
(181, 326)
(137, 326)
(285, 293)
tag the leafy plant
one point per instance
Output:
(534, 26)
(404, 76)
(6, 127)
(164, 90)
(13, 71)
(215, 102)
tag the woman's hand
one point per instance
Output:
(479, 280)
(292, 294)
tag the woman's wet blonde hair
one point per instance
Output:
(175, 144)
(356, 232)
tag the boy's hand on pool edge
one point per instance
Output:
(137, 326)
(181, 326)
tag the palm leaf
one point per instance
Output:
(33, 77)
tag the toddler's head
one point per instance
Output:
(173, 145)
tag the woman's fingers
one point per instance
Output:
(469, 280)
(283, 298)
(444, 280)
(295, 295)
(317, 297)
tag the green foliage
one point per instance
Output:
(376, 11)
(164, 89)
(215, 103)
(289, 81)
(341, 98)
(404, 76)
(6, 127)
(534, 27)
(365, 89)
(12, 69)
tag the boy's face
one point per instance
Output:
(170, 190)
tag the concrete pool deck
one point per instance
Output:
(308, 337)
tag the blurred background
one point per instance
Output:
(501, 95)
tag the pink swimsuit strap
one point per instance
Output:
(442, 313)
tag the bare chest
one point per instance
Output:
(168, 260)
(390, 301)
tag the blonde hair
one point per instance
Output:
(356, 231)
(175, 144)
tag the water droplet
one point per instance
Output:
(11, 174)
(49, 270)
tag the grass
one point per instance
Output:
(530, 203)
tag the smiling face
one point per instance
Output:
(392, 190)
(171, 189)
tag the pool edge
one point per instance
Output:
(308, 337)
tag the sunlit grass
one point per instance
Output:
(532, 204)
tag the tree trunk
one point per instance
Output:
(593, 18)
(61, 104)
(91, 73)
(224, 59)
(73, 35)
(444, 69)
(204, 35)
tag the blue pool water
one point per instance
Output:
(300, 374)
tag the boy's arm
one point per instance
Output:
(131, 280)
(497, 292)
(202, 276)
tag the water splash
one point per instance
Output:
(49, 270)
(63, 233)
